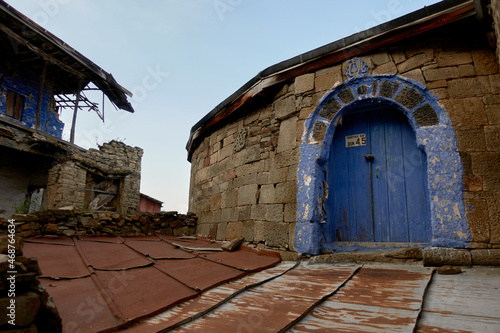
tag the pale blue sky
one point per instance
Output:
(181, 58)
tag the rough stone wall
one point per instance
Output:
(67, 180)
(26, 305)
(68, 222)
(252, 192)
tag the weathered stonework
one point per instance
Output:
(71, 181)
(257, 186)
(34, 310)
(68, 222)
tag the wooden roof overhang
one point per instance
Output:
(412, 24)
(25, 42)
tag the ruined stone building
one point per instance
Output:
(387, 138)
(39, 76)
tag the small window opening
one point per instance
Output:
(14, 105)
(102, 193)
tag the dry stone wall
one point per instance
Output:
(26, 305)
(244, 175)
(68, 222)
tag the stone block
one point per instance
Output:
(495, 83)
(215, 201)
(287, 135)
(233, 230)
(290, 214)
(387, 68)
(485, 62)
(247, 195)
(286, 192)
(468, 112)
(380, 58)
(439, 256)
(491, 183)
(473, 183)
(416, 74)
(267, 194)
(5, 241)
(470, 138)
(244, 213)
(466, 71)
(447, 59)
(418, 60)
(248, 230)
(27, 306)
(285, 107)
(489, 257)
(467, 87)
(304, 83)
(327, 78)
(485, 163)
(252, 154)
(276, 234)
(492, 135)
(274, 213)
(221, 231)
(443, 73)
(477, 213)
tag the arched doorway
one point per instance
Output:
(434, 137)
(376, 177)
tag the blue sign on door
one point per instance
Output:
(377, 179)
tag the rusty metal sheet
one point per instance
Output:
(272, 306)
(207, 300)
(199, 274)
(378, 298)
(103, 255)
(315, 281)
(150, 238)
(386, 286)
(199, 243)
(56, 240)
(158, 250)
(81, 305)
(143, 291)
(341, 317)
(467, 302)
(251, 312)
(244, 259)
(57, 261)
(184, 312)
(103, 239)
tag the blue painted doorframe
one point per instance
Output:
(434, 135)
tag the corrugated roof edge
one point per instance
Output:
(315, 54)
(103, 80)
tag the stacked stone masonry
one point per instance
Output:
(25, 304)
(68, 222)
(70, 182)
(252, 192)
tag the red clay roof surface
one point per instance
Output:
(102, 283)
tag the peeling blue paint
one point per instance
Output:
(434, 134)
(26, 84)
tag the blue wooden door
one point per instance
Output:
(376, 180)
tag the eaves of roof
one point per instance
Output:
(91, 72)
(412, 24)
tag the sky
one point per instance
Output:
(181, 58)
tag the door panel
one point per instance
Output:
(380, 200)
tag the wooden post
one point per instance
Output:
(38, 115)
(75, 111)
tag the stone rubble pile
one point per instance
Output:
(26, 304)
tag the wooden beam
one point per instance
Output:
(75, 111)
(38, 118)
(39, 52)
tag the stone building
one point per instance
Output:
(40, 75)
(387, 138)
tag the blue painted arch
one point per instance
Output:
(434, 134)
